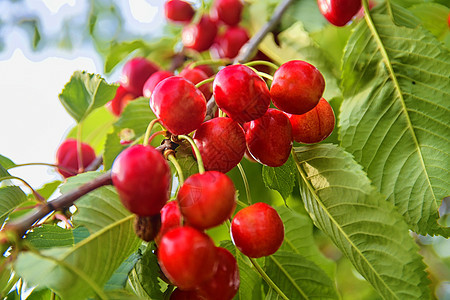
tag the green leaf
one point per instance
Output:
(299, 278)
(367, 229)
(6, 163)
(80, 233)
(433, 17)
(49, 236)
(394, 118)
(119, 52)
(48, 189)
(41, 294)
(84, 93)
(299, 239)
(281, 179)
(10, 198)
(118, 280)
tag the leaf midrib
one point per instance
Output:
(289, 277)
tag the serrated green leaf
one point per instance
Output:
(48, 189)
(299, 278)
(10, 198)
(80, 233)
(299, 239)
(49, 236)
(84, 93)
(119, 52)
(281, 179)
(367, 229)
(119, 279)
(394, 118)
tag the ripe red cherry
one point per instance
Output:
(313, 126)
(241, 93)
(269, 138)
(207, 200)
(297, 87)
(195, 76)
(339, 12)
(178, 11)
(225, 282)
(153, 81)
(229, 44)
(179, 105)
(221, 142)
(257, 230)
(227, 11)
(120, 100)
(200, 36)
(187, 257)
(141, 176)
(178, 294)
(135, 73)
(170, 219)
(67, 157)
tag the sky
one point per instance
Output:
(32, 119)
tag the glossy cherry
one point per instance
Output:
(339, 12)
(221, 142)
(179, 105)
(120, 100)
(187, 257)
(257, 230)
(195, 76)
(241, 93)
(153, 81)
(207, 200)
(227, 11)
(225, 282)
(178, 294)
(135, 73)
(313, 126)
(141, 176)
(229, 44)
(170, 219)
(178, 11)
(297, 87)
(200, 36)
(67, 157)
(269, 138)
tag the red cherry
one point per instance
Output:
(241, 93)
(221, 142)
(257, 230)
(313, 126)
(205, 68)
(178, 11)
(207, 200)
(448, 21)
(120, 100)
(67, 156)
(153, 81)
(229, 44)
(269, 138)
(297, 87)
(339, 12)
(179, 105)
(141, 176)
(225, 282)
(200, 36)
(170, 219)
(178, 294)
(135, 73)
(195, 76)
(227, 11)
(187, 257)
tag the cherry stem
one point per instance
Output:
(241, 203)
(247, 187)
(265, 75)
(207, 80)
(35, 194)
(219, 62)
(44, 164)
(161, 132)
(201, 168)
(177, 166)
(149, 131)
(262, 62)
(267, 278)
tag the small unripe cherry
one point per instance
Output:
(179, 105)
(178, 11)
(153, 81)
(141, 176)
(200, 36)
(241, 93)
(269, 138)
(195, 76)
(221, 142)
(135, 73)
(227, 11)
(187, 257)
(229, 44)
(257, 230)
(170, 219)
(297, 87)
(313, 126)
(339, 12)
(207, 200)
(67, 157)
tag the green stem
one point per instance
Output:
(207, 80)
(239, 202)
(36, 194)
(201, 168)
(43, 164)
(247, 187)
(265, 75)
(149, 131)
(177, 166)
(267, 279)
(262, 62)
